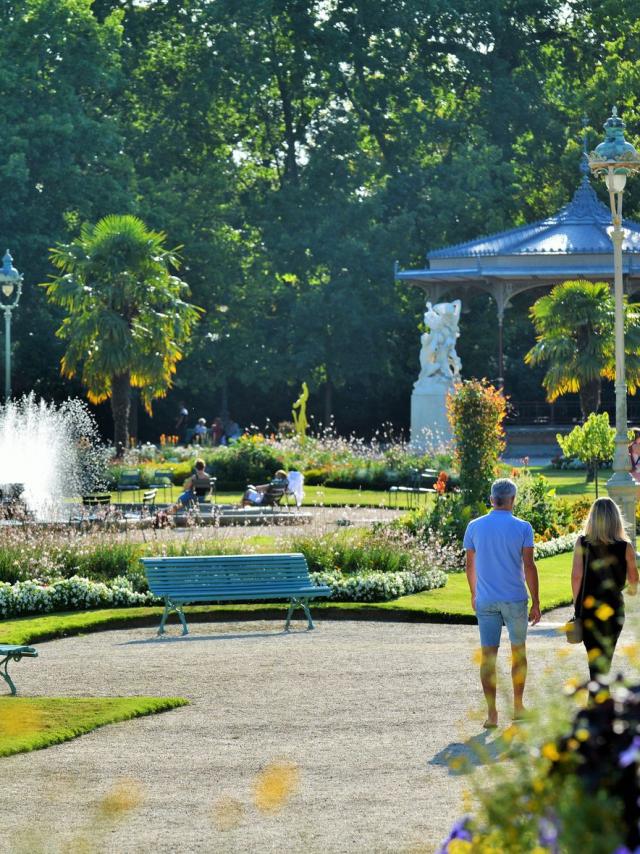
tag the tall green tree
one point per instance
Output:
(128, 319)
(575, 339)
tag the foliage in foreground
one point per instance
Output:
(31, 723)
(577, 789)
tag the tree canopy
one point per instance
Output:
(295, 149)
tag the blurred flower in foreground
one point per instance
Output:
(275, 785)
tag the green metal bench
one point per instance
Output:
(13, 653)
(234, 578)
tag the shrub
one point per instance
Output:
(537, 504)
(249, 460)
(476, 411)
(446, 519)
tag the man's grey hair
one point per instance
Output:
(503, 489)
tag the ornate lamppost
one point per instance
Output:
(615, 159)
(10, 293)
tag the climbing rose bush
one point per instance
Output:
(476, 412)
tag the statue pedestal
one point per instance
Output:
(429, 425)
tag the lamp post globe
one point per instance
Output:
(10, 293)
(615, 159)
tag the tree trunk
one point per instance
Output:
(134, 413)
(590, 397)
(120, 407)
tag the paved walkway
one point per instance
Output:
(368, 713)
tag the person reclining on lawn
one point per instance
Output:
(195, 486)
(254, 496)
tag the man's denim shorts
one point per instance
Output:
(493, 616)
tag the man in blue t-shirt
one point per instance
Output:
(499, 550)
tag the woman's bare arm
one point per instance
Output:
(632, 571)
(577, 569)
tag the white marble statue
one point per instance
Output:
(439, 362)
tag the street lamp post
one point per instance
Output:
(615, 159)
(10, 292)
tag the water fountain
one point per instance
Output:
(48, 454)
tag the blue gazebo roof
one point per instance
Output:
(572, 243)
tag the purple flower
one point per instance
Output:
(460, 830)
(631, 754)
(548, 832)
(624, 850)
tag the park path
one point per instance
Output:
(367, 713)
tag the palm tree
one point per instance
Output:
(127, 315)
(575, 338)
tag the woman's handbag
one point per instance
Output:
(573, 628)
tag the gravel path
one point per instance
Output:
(368, 714)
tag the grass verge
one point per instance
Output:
(448, 604)
(31, 723)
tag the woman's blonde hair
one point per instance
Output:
(604, 523)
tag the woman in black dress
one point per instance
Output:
(610, 562)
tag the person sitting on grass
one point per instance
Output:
(198, 483)
(254, 496)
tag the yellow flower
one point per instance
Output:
(550, 751)
(582, 734)
(604, 612)
(459, 846)
(594, 653)
(589, 602)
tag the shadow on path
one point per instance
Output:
(461, 757)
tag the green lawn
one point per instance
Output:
(574, 484)
(448, 604)
(31, 723)
(568, 484)
(315, 496)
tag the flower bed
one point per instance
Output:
(69, 594)
(379, 586)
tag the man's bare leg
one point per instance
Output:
(488, 679)
(518, 677)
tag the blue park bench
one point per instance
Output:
(10, 652)
(234, 578)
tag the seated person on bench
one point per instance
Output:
(255, 495)
(196, 486)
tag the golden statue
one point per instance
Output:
(300, 418)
